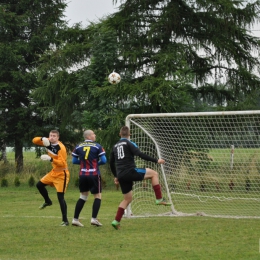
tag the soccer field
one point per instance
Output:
(30, 233)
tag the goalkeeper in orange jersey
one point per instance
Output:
(123, 167)
(59, 176)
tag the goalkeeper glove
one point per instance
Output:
(46, 157)
(46, 141)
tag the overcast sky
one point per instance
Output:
(91, 10)
(88, 10)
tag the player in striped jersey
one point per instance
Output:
(89, 155)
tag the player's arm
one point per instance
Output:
(136, 151)
(75, 156)
(75, 160)
(112, 163)
(41, 141)
(102, 156)
(102, 159)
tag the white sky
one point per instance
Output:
(91, 10)
(88, 10)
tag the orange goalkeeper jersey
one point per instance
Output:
(58, 154)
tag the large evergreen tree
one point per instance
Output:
(173, 56)
(212, 39)
(70, 78)
(28, 29)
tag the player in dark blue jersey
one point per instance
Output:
(89, 155)
(123, 167)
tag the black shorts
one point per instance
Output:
(126, 180)
(90, 183)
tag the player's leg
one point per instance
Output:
(79, 206)
(63, 208)
(127, 200)
(154, 177)
(84, 191)
(95, 209)
(61, 184)
(43, 191)
(96, 191)
(126, 188)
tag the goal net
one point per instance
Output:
(212, 163)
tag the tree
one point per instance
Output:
(73, 74)
(172, 57)
(212, 37)
(94, 101)
(28, 28)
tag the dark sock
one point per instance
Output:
(96, 207)
(119, 214)
(79, 206)
(63, 206)
(41, 187)
(157, 191)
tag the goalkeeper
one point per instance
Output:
(59, 176)
(123, 167)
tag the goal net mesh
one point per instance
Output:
(212, 163)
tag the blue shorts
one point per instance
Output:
(126, 180)
(90, 183)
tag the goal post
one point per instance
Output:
(212, 163)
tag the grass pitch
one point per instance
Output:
(29, 233)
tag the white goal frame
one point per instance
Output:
(225, 184)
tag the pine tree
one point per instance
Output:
(28, 29)
(209, 39)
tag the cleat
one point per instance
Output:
(162, 202)
(115, 224)
(95, 222)
(64, 224)
(76, 223)
(45, 204)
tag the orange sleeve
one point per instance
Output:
(37, 141)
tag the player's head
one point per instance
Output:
(54, 136)
(89, 135)
(124, 132)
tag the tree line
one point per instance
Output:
(172, 55)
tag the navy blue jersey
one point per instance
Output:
(88, 154)
(122, 157)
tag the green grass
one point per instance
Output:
(30, 233)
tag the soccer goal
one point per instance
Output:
(212, 163)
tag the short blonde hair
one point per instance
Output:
(124, 131)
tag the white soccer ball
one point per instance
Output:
(114, 78)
